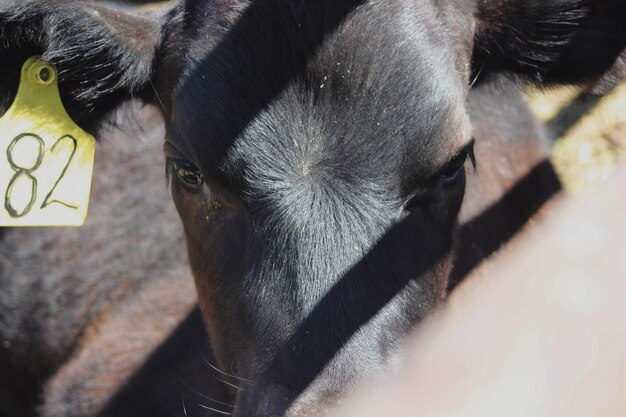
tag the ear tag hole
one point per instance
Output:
(46, 160)
(42, 74)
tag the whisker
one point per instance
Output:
(182, 400)
(206, 407)
(222, 372)
(234, 374)
(157, 95)
(231, 385)
(477, 75)
(195, 391)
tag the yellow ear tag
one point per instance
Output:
(46, 160)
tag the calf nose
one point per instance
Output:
(273, 401)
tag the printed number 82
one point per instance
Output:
(22, 171)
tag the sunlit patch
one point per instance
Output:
(592, 143)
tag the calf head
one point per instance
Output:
(316, 155)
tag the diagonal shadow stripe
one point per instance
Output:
(485, 234)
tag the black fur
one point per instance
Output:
(326, 134)
(561, 41)
(103, 55)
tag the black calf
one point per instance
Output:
(317, 152)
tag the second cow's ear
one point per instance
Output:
(549, 41)
(104, 55)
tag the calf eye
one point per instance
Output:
(452, 171)
(188, 173)
(446, 177)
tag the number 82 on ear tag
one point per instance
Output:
(46, 160)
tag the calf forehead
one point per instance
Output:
(323, 82)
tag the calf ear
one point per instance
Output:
(560, 41)
(104, 55)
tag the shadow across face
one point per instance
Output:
(317, 165)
